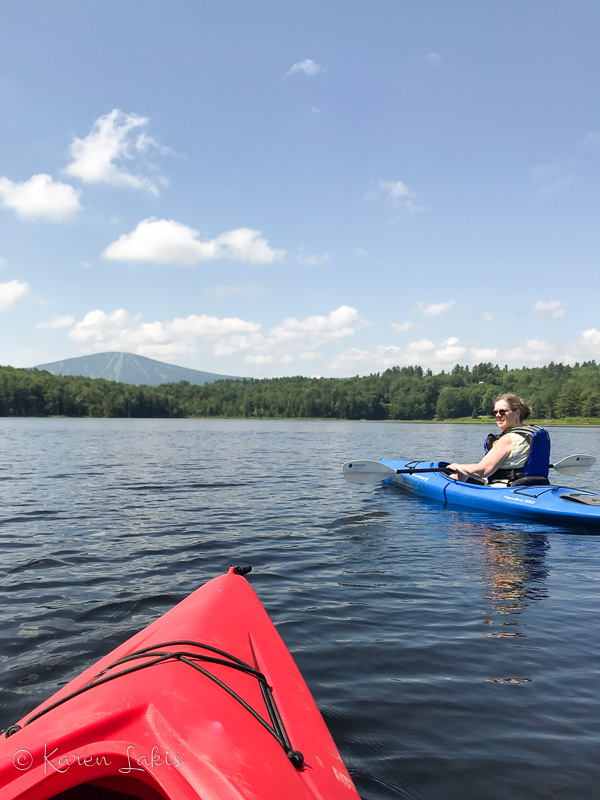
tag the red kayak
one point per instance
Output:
(206, 702)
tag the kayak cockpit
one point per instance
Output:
(113, 788)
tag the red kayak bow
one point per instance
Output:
(206, 702)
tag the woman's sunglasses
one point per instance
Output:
(501, 412)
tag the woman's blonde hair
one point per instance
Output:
(515, 404)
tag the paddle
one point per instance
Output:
(374, 471)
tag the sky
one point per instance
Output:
(320, 188)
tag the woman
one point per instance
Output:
(510, 452)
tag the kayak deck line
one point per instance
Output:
(158, 656)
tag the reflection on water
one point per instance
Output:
(513, 557)
(515, 570)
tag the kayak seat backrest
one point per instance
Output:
(531, 480)
(538, 464)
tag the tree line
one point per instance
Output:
(400, 393)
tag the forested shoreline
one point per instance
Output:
(402, 393)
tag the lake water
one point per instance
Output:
(452, 654)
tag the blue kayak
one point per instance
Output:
(549, 503)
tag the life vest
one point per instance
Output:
(538, 462)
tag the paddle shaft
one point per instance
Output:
(410, 470)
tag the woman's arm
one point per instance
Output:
(489, 463)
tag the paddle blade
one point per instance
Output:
(366, 471)
(575, 465)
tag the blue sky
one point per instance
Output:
(330, 188)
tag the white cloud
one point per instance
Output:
(487, 316)
(434, 59)
(402, 327)
(592, 138)
(424, 352)
(245, 244)
(451, 351)
(585, 348)
(164, 241)
(313, 259)
(398, 193)
(114, 139)
(238, 343)
(119, 330)
(481, 354)
(434, 309)
(306, 67)
(56, 322)
(395, 189)
(442, 355)
(591, 337)
(383, 357)
(258, 359)
(532, 353)
(293, 339)
(352, 358)
(316, 330)
(551, 308)
(40, 198)
(10, 292)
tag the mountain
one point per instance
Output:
(128, 368)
